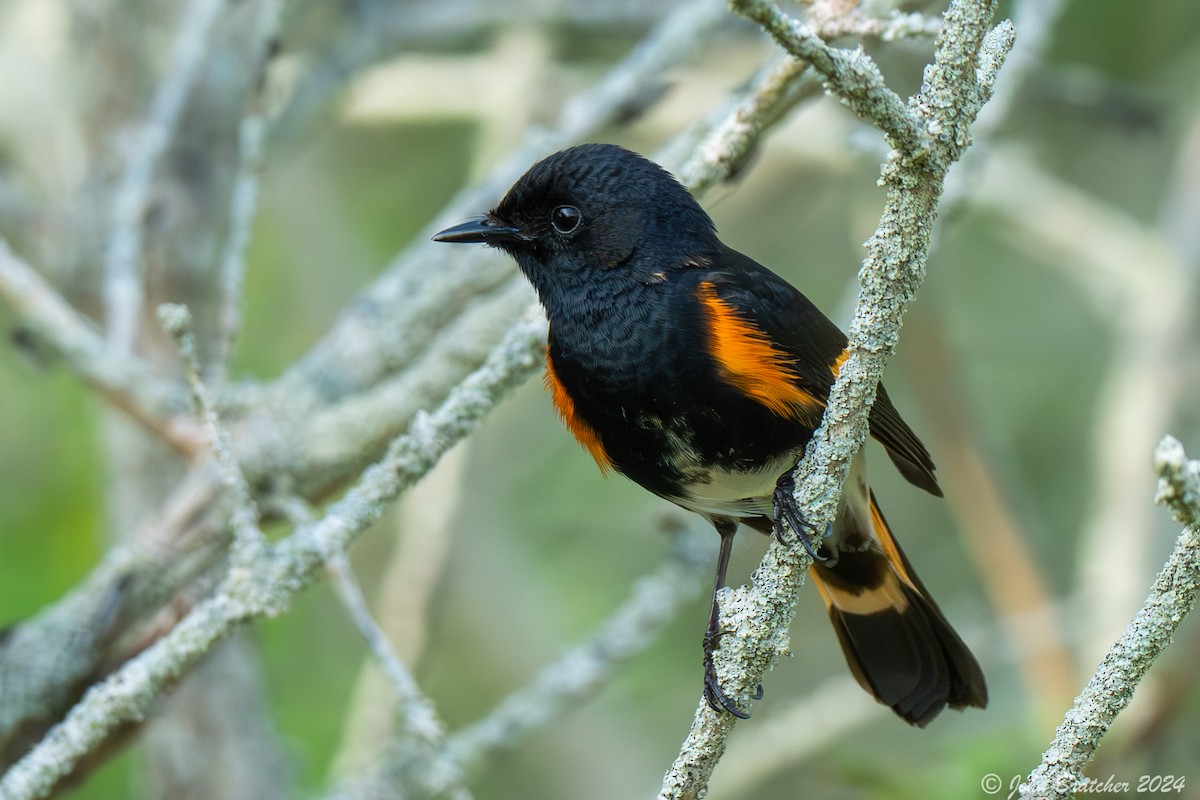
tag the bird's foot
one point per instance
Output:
(714, 695)
(785, 509)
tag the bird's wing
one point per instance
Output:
(767, 306)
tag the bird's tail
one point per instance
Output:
(897, 643)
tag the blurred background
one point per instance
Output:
(1053, 344)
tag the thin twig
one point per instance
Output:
(725, 147)
(248, 538)
(851, 74)
(425, 723)
(655, 601)
(127, 381)
(424, 528)
(267, 586)
(243, 204)
(421, 730)
(123, 258)
(777, 89)
(1173, 596)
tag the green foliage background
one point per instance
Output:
(544, 547)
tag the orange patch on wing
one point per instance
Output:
(750, 362)
(836, 366)
(565, 406)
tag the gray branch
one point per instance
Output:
(399, 347)
(422, 735)
(850, 74)
(316, 427)
(128, 382)
(655, 601)
(931, 132)
(248, 538)
(123, 258)
(265, 583)
(1173, 596)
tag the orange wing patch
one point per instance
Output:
(836, 366)
(565, 407)
(750, 362)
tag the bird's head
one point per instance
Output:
(592, 209)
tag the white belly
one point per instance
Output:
(752, 494)
(718, 492)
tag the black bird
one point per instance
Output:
(701, 375)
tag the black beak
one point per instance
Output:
(482, 230)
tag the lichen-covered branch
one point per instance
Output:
(850, 74)
(558, 688)
(397, 348)
(265, 582)
(731, 140)
(777, 89)
(248, 538)
(655, 600)
(421, 735)
(123, 286)
(931, 131)
(400, 346)
(127, 381)
(1111, 687)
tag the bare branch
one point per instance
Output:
(935, 130)
(252, 134)
(123, 258)
(342, 577)
(422, 734)
(726, 146)
(1173, 596)
(128, 382)
(248, 538)
(633, 626)
(853, 76)
(267, 585)
(423, 530)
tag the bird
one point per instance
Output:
(701, 375)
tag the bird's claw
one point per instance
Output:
(714, 695)
(785, 509)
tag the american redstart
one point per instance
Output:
(701, 375)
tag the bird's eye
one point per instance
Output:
(565, 219)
